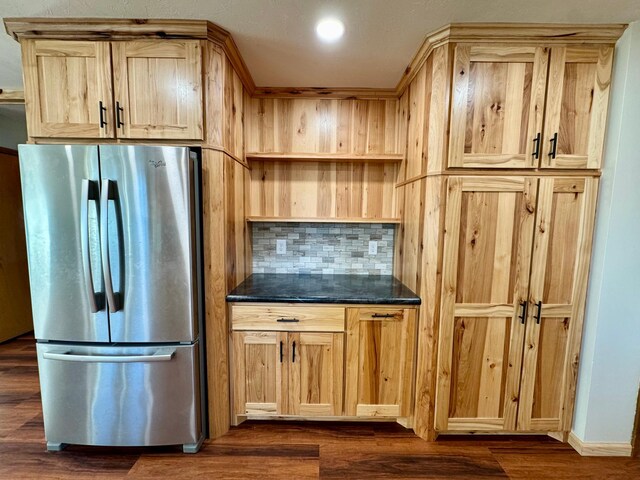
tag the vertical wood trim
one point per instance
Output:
(536, 109)
(31, 90)
(554, 103)
(217, 327)
(352, 361)
(449, 268)
(407, 363)
(599, 108)
(585, 245)
(461, 65)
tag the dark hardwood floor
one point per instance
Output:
(289, 450)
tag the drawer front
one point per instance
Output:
(377, 314)
(121, 396)
(287, 318)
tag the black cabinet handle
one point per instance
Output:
(536, 147)
(119, 123)
(293, 358)
(281, 351)
(103, 110)
(554, 145)
(287, 320)
(382, 315)
(523, 317)
(537, 315)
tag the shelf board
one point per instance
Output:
(322, 220)
(324, 157)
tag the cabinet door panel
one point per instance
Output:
(158, 86)
(259, 377)
(380, 358)
(489, 229)
(315, 373)
(562, 248)
(576, 110)
(65, 81)
(496, 111)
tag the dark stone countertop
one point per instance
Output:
(315, 288)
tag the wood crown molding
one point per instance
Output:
(326, 92)
(128, 29)
(120, 29)
(550, 34)
(11, 96)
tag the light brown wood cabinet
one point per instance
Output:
(515, 268)
(291, 360)
(287, 373)
(380, 362)
(157, 89)
(499, 118)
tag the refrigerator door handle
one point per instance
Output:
(162, 355)
(107, 193)
(89, 192)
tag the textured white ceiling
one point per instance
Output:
(277, 39)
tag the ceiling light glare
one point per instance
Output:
(330, 29)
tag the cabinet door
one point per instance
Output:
(496, 109)
(315, 374)
(158, 89)
(259, 378)
(560, 265)
(488, 235)
(380, 359)
(68, 88)
(576, 111)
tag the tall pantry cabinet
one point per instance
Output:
(507, 157)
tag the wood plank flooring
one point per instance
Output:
(276, 450)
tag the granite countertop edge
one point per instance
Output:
(308, 288)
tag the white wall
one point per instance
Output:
(609, 373)
(13, 126)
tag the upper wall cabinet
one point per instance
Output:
(499, 118)
(496, 116)
(157, 89)
(576, 111)
(68, 88)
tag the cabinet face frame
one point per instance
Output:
(578, 94)
(380, 358)
(565, 216)
(184, 94)
(511, 119)
(522, 217)
(77, 86)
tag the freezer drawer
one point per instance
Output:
(124, 396)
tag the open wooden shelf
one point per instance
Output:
(322, 220)
(325, 157)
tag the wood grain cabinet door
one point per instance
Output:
(497, 106)
(68, 88)
(576, 110)
(487, 249)
(315, 374)
(158, 89)
(559, 272)
(380, 359)
(260, 373)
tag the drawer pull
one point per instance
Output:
(288, 320)
(382, 315)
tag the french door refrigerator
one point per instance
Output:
(113, 240)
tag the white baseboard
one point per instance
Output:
(588, 449)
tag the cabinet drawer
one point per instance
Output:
(287, 318)
(376, 314)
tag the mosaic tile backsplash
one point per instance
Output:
(328, 248)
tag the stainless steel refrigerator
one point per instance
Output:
(113, 241)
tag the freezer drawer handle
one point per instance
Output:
(162, 355)
(89, 192)
(108, 193)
